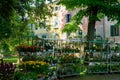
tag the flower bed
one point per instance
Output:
(116, 48)
(68, 58)
(62, 64)
(68, 69)
(26, 76)
(39, 67)
(25, 48)
(99, 68)
(64, 58)
(115, 67)
(115, 57)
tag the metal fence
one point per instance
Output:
(73, 57)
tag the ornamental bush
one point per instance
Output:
(7, 71)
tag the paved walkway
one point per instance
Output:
(95, 77)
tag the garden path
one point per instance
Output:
(95, 77)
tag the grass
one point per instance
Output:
(95, 77)
(11, 59)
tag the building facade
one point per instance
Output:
(108, 30)
(104, 28)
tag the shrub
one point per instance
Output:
(26, 76)
(7, 71)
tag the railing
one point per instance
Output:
(103, 60)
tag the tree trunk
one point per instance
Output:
(91, 30)
(90, 39)
(92, 20)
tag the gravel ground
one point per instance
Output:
(94, 77)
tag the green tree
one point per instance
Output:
(7, 9)
(70, 27)
(15, 17)
(91, 9)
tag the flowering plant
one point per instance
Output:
(7, 71)
(23, 48)
(39, 67)
(69, 58)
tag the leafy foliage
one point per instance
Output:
(7, 71)
(92, 9)
(15, 17)
(70, 27)
(26, 76)
(39, 67)
(5, 29)
(7, 10)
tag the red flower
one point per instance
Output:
(32, 48)
(26, 47)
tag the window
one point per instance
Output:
(36, 28)
(80, 32)
(43, 27)
(56, 22)
(68, 16)
(44, 36)
(48, 1)
(56, 8)
(59, 7)
(114, 30)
